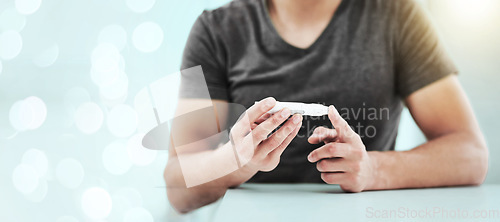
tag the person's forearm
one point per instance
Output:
(452, 159)
(185, 199)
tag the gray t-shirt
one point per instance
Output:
(372, 55)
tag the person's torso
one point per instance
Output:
(351, 65)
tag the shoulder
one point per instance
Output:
(234, 12)
(406, 8)
(391, 14)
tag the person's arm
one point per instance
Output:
(182, 198)
(249, 139)
(455, 153)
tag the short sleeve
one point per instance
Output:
(420, 56)
(203, 49)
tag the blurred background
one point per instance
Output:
(69, 125)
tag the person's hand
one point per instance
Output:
(343, 159)
(249, 136)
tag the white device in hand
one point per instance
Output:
(306, 109)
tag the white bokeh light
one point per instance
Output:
(113, 34)
(138, 154)
(39, 111)
(47, 57)
(36, 159)
(118, 89)
(89, 117)
(11, 44)
(28, 114)
(147, 37)
(74, 98)
(107, 63)
(140, 6)
(145, 113)
(115, 158)
(10, 19)
(28, 6)
(70, 173)
(104, 51)
(25, 178)
(120, 206)
(67, 219)
(138, 214)
(39, 193)
(96, 203)
(122, 120)
(20, 115)
(123, 200)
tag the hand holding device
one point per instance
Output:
(250, 135)
(343, 159)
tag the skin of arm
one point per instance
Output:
(250, 135)
(185, 199)
(455, 153)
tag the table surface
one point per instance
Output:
(322, 202)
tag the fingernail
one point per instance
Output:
(309, 158)
(269, 101)
(285, 112)
(332, 111)
(296, 119)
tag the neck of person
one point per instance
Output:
(303, 12)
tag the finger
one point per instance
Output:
(333, 165)
(341, 126)
(323, 134)
(260, 108)
(263, 118)
(276, 153)
(261, 132)
(329, 150)
(278, 137)
(335, 178)
(246, 120)
(260, 120)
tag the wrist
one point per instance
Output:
(377, 180)
(241, 174)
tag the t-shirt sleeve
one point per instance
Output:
(203, 49)
(420, 56)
